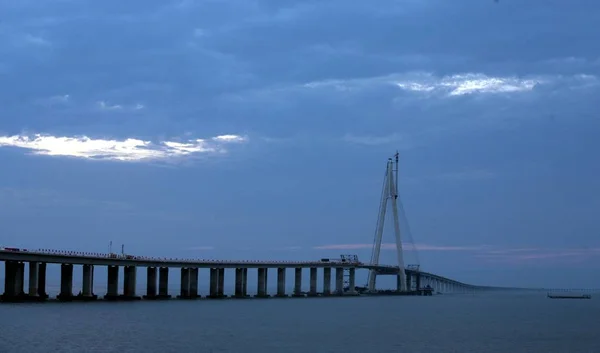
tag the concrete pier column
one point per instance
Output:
(312, 292)
(66, 282)
(327, 281)
(88, 281)
(262, 283)
(408, 282)
(151, 283)
(239, 283)
(339, 281)
(33, 279)
(245, 282)
(41, 287)
(352, 281)
(214, 283)
(10, 278)
(129, 282)
(281, 282)
(221, 287)
(185, 283)
(298, 282)
(194, 283)
(163, 283)
(112, 290)
(20, 283)
(418, 280)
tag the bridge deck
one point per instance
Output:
(105, 259)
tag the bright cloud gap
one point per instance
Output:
(129, 149)
(454, 85)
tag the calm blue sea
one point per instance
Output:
(502, 323)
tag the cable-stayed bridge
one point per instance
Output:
(411, 280)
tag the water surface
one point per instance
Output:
(498, 323)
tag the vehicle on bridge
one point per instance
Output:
(413, 267)
(13, 249)
(121, 256)
(353, 259)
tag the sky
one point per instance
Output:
(260, 129)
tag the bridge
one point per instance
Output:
(410, 280)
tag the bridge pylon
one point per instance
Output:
(389, 195)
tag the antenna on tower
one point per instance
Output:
(397, 157)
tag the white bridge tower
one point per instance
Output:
(389, 194)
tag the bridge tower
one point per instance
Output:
(389, 195)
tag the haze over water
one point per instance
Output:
(495, 323)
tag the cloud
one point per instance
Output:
(199, 32)
(424, 83)
(36, 40)
(16, 201)
(229, 138)
(201, 248)
(428, 83)
(11, 198)
(103, 105)
(370, 140)
(474, 174)
(106, 106)
(534, 255)
(54, 100)
(289, 248)
(129, 149)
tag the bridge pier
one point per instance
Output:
(112, 289)
(217, 282)
(41, 287)
(150, 283)
(214, 283)
(298, 282)
(10, 281)
(326, 281)
(88, 283)
(313, 282)
(262, 283)
(221, 287)
(399, 283)
(66, 282)
(408, 282)
(281, 283)
(194, 283)
(339, 281)
(352, 281)
(245, 283)
(33, 279)
(184, 292)
(129, 283)
(239, 283)
(163, 283)
(20, 284)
